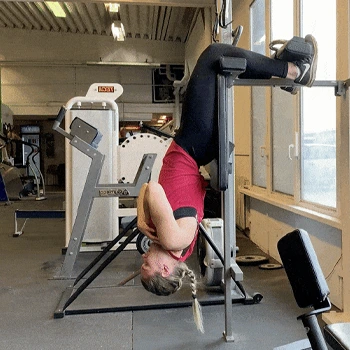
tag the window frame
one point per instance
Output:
(293, 200)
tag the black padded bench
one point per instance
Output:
(310, 289)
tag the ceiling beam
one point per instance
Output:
(174, 3)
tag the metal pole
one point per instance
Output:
(106, 250)
(83, 210)
(228, 214)
(104, 264)
(314, 332)
(229, 222)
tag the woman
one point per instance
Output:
(169, 211)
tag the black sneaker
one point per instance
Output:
(308, 65)
(301, 52)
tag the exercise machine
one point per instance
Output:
(32, 182)
(84, 137)
(310, 290)
(97, 231)
(15, 185)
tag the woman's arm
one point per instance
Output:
(143, 216)
(173, 234)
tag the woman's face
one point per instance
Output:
(156, 260)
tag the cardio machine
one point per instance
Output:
(17, 185)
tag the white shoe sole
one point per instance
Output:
(310, 39)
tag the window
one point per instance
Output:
(294, 141)
(318, 109)
(258, 38)
(282, 108)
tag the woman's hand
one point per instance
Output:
(148, 231)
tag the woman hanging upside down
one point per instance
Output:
(170, 210)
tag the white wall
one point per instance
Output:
(33, 90)
(41, 71)
(269, 223)
(33, 45)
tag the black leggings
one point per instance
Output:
(198, 129)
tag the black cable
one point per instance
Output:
(215, 28)
(335, 265)
(220, 19)
(222, 15)
(156, 131)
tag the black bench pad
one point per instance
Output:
(230, 65)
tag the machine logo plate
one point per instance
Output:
(114, 192)
(106, 89)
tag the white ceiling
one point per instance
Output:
(144, 21)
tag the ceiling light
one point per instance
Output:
(118, 30)
(113, 7)
(56, 8)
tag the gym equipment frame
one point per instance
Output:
(85, 138)
(230, 69)
(92, 189)
(226, 80)
(227, 64)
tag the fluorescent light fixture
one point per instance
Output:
(118, 30)
(56, 8)
(114, 63)
(112, 7)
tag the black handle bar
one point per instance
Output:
(61, 114)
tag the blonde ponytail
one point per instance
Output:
(197, 315)
(196, 307)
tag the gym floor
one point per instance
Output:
(30, 292)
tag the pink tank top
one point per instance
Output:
(184, 186)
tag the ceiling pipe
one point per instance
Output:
(15, 10)
(10, 16)
(7, 22)
(75, 17)
(69, 19)
(40, 16)
(44, 17)
(93, 12)
(84, 14)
